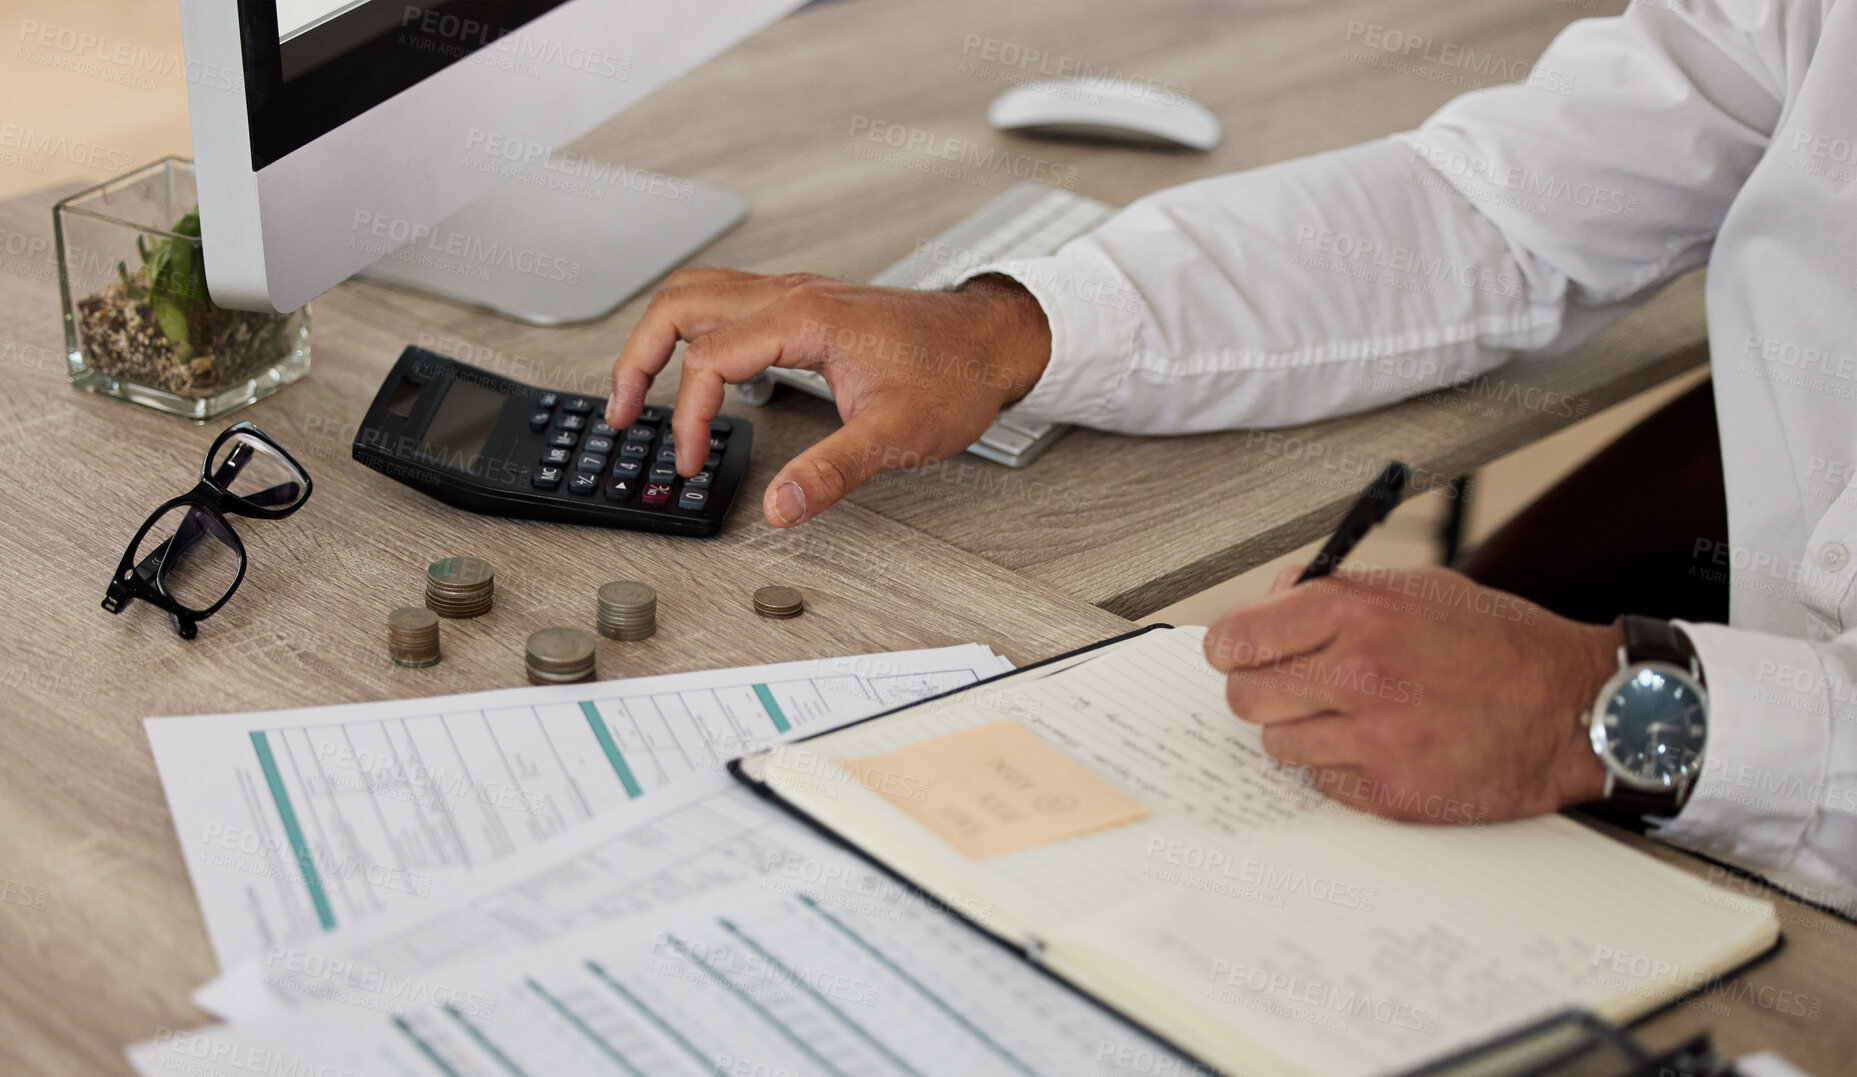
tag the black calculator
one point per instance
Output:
(488, 444)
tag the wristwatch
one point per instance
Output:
(1651, 721)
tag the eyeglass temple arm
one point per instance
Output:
(235, 461)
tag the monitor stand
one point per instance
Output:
(564, 242)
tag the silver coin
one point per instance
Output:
(538, 677)
(458, 609)
(778, 602)
(626, 595)
(560, 650)
(460, 573)
(412, 621)
(459, 598)
(628, 632)
(412, 637)
(465, 594)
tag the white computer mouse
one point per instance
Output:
(1104, 108)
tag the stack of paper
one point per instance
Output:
(295, 823)
(698, 932)
(479, 885)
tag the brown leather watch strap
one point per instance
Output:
(1648, 639)
(1628, 803)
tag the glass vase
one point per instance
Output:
(138, 323)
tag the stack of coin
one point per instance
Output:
(778, 602)
(628, 610)
(412, 637)
(560, 656)
(460, 586)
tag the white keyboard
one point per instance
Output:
(1029, 220)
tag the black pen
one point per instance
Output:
(1375, 502)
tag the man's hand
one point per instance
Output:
(1420, 695)
(917, 375)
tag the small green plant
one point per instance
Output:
(172, 280)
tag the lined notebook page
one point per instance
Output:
(1249, 917)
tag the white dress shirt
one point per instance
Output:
(1524, 218)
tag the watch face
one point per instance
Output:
(1652, 724)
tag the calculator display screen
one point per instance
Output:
(462, 424)
(405, 395)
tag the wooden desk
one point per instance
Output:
(115, 949)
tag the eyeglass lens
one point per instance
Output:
(190, 556)
(249, 467)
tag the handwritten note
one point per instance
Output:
(994, 789)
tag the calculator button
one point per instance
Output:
(547, 400)
(628, 469)
(667, 456)
(657, 493)
(584, 484)
(591, 464)
(571, 422)
(653, 415)
(720, 426)
(635, 450)
(712, 461)
(546, 478)
(662, 473)
(602, 430)
(717, 444)
(539, 421)
(556, 457)
(670, 439)
(620, 489)
(692, 499)
(599, 445)
(563, 439)
(640, 432)
(578, 405)
(700, 481)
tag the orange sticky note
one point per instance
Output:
(994, 789)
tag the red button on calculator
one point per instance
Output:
(657, 493)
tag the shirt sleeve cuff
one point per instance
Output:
(1095, 318)
(1763, 767)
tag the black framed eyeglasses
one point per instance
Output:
(186, 558)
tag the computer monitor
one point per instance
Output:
(418, 137)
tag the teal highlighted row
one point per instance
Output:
(312, 880)
(772, 708)
(605, 737)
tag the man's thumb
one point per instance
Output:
(815, 479)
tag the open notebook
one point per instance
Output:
(1109, 816)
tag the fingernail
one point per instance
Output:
(790, 503)
(612, 411)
